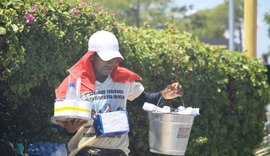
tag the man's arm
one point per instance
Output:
(171, 91)
(153, 98)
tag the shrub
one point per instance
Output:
(230, 89)
(41, 40)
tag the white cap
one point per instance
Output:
(105, 44)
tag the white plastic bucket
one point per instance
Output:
(72, 109)
(169, 133)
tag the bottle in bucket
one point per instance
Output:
(72, 106)
(71, 100)
(71, 92)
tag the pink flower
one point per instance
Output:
(83, 3)
(73, 11)
(34, 7)
(30, 17)
(101, 8)
(44, 9)
(113, 14)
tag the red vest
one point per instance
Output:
(83, 69)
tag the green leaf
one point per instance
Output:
(14, 27)
(3, 31)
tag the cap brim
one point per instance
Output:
(108, 55)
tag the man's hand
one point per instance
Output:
(172, 91)
(71, 125)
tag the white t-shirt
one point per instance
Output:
(115, 95)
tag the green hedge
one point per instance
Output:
(230, 89)
(36, 55)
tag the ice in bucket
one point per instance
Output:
(169, 131)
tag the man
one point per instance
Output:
(108, 86)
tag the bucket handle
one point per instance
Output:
(182, 101)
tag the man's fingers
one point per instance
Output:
(83, 122)
(71, 121)
(170, 87)
(175, 87)
(61, 123)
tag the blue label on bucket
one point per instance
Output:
(183, 132)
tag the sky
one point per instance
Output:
(263, 6)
